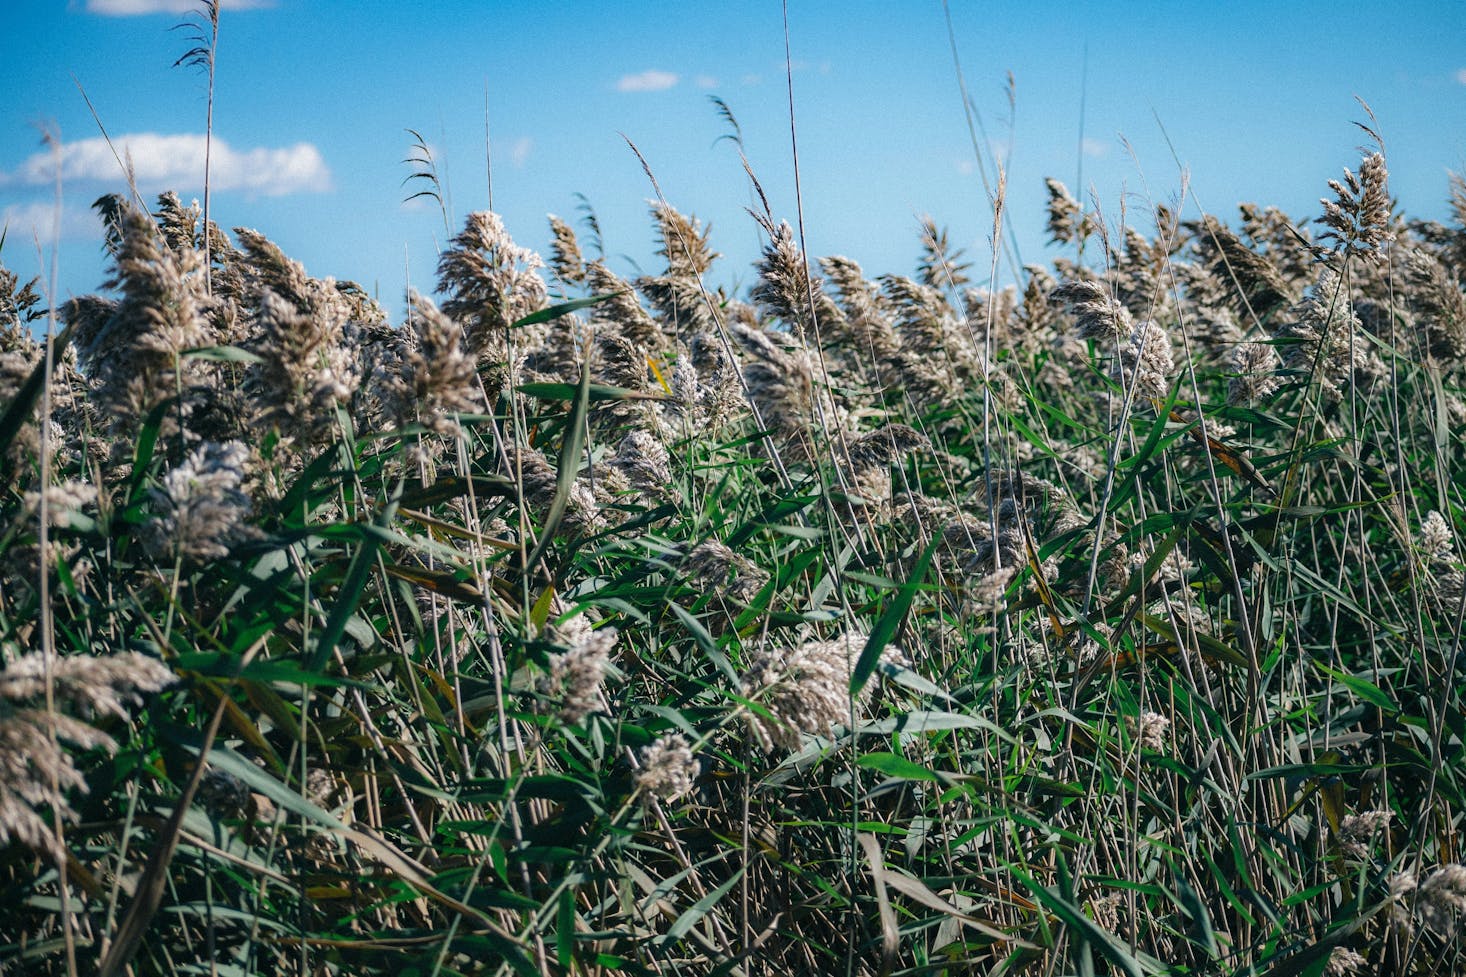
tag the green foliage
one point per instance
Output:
(606, 636)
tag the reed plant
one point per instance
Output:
(1106, 622)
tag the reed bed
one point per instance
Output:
(1108, 622)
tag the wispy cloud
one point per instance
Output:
(1096, 148)
(177, 163)
(135, 8)
(520, 151)
(705, 81)
(36, 221)
(1461, 76)
(650, 80)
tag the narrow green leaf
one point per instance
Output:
(349, 594)
(701, 908)
(1083, 927)
(556, 311)
(570, 451)
(885, 628)
(1363, 688)
(896, 766)
(598, 392)
(223, 354)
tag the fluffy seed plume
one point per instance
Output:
(131, 347)
(566, 261)
(668, 768)
(1324, 339)
(31, 754)
(1145, 361)
(577, 674)
(1343, 962)
(1435, 541)
(1149, 728)
(1358, 218)
(645, 463)
(540, 482)
(1358, 831)
(1067, 221)
(1441, 899)
(439, 379)
(784, 284)
(1439, 305)
(714, 567)
(490, 281)
(202, 508)
(1235, 276)
(1256, 365)
(805, 689)
(1098, 314)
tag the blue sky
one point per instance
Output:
(314, 98)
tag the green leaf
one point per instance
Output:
(885, 628)
(224, 354)
(1083, 927)
(570, 451)
(556, 311)
(598, 392)
(1362, 688)
(701, 908)
(349, 594)
(896, 766)
(930, 721)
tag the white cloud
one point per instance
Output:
(177, 163)
(1096, 148)
(650, 80)
(966, 167)
(27, 223)
(751, 79)
(520, 151)
(133, 8)
(706, 81)
(1461, 76)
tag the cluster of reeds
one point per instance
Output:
(1106, 622)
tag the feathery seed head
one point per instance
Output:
(1256, 365)
(1098, 314)
(566, 261)
(645, 463)
(1435, 541)
(1357, 831)
(712, 566)
(1145, 361)
(31, 754)
(805, 689)
(1149, 728)
(1067, 221)
(490, 281)
(202, 508)
(668, 768)
(1358, 218)
(439, 379)
(785, 287)
(1343, 962)
(577, 674)
(1441, 899)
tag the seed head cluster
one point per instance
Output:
(805, 689)
(668, 767)
(577, 674)
(202, 509)
(32, 754)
